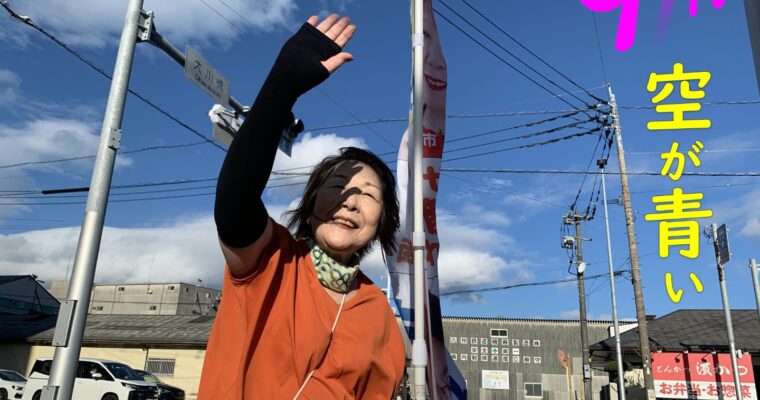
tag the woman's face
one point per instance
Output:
(347, 210)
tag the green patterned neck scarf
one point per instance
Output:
(331, 273)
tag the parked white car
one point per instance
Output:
(95, 380)
(11, 385)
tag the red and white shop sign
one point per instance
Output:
(701, 376)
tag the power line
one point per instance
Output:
(526, 136)
(323, 93)
(579, 172)
(28, 21)
(493, 187)
(181, 196)
(512, 54)
(599, 47)
(222, 16)
(525, 146)
(503, 60)
(707, 103)
(149, 148)
(529, 51)
(703, 151)
(542, 283)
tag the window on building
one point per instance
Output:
(533, 390)
(171, 287)
(483, 357)
(536, 343)
(463, 340)
(161, 366)
(463, 357)
(505, 359)
(484, 350)
(515, 351)
(526, 342)
(499, 332)
(454, 356)
(505, 342)
(516, 359)
(505, 350)
(97, 308)
(494, 350)
(494, 358)
(208, 296)
(120, 288)
(474, 357)
(515, 342)
(536, 360)
(453, 339)
(473, 340)
(526, 360)
(494, 342)
(483, 341)
(152, 308)
(474, 349)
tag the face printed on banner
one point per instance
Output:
(435, 75)
(347, 210)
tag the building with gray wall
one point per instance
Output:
(148, 298)
(519, 359)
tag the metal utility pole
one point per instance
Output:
(576, 219)
(621, 380)
(638, 293)
(753, 269)
(722, 256)
(69, 329)
(419, 345)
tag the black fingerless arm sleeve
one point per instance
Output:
(239, 211)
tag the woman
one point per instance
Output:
(298, 319)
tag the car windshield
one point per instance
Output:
(12, 376)
(121, 371)
(147, 376)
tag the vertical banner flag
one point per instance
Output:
(444, 379)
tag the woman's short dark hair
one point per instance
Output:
(298, 218)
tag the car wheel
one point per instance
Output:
(110, 396)
(37, 395)
(3, 394)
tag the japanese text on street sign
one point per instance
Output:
(205, 76)
(678, 211)
(701, 376)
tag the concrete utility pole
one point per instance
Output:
(576, 219)
(753, 269)
(638, 293)
(69, 329)
(722, 255)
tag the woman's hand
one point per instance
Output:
(340, 31)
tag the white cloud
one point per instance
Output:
(97, 23)
(741, 212)
(47, 139)
(570, 314)
(308, 151)
(484, 216)
(752, 228)
(185, 250)
(9, 84)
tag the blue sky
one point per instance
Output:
(496, 229)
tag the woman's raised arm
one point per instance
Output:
(306, 60)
